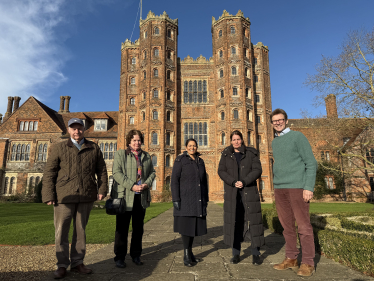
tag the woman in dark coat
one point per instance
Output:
(239, 168)
(189, 190)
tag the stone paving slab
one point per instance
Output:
(163, 258)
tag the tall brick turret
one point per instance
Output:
(148, 90)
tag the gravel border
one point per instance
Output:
(31, 262)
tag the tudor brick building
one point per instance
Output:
(171, 100)
(167, 98)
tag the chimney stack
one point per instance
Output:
(331, 109)
(67, 103)
(9, 109)
(62, 104)
(16, 103)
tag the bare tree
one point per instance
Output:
(349, 76)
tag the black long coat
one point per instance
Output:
(189, 186)
(250, 171)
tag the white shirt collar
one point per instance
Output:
(75, 142)
(285, 131)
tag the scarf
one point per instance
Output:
(137, 154)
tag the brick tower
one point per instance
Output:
(148, 87)
(242, 87)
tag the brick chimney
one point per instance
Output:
(67, 103)
(9, 109)
(16, 103)
(62, 104)
(331, 109)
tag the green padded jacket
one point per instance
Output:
(125, 173)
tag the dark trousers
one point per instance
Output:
(291, 207)
(239, 228)
(122, 228)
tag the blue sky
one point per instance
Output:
(50, 48)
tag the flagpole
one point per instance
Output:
(141, 7)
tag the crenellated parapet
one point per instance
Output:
(200, 60)
(163, 16)
(226, 15)
(129, 44)
(261, 46)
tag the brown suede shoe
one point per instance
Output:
(60, 273)
(82, 269)
(287, 263)
(305, 270)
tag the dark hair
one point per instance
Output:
(187, 141)
(130, 135)
(278, 111)
(236, 132)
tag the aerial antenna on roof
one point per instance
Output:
(140, 6)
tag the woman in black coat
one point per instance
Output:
(239, 168)
(189, 190)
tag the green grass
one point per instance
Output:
(332, 207)
(32, 224)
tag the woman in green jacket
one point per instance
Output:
(133, 171)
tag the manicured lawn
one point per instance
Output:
(333, 207)
(32, 224)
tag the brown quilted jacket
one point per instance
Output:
(69, 175)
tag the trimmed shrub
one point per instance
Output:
(352, 251)
(38, 192)
(349, 224)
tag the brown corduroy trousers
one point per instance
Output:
(63, 214)
(291, 207)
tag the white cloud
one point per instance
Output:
(31, 57)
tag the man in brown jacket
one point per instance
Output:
(69, 184)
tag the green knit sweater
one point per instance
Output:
(294, 162)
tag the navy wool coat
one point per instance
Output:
(189, 186)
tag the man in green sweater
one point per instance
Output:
(294, 172)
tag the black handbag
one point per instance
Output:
(115, 205)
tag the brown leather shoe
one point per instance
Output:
(82, 269)
(305, 270)
(287, 263)
(60, 273)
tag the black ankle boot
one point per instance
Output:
(187, 258)
(193, 258)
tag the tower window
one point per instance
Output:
(155, 93)
(155, 115)
(167, 142)
(222, 93)
(132, 80)
(221, 73)
(154, 160)
(143, 115)
(169, 33)
(133, 61)
(145, 74)
(234, 91)
(168, 116)
(168, 95)
(155, 73)
(154, 138)
(236, 114)
(247, 92)
(233, 70)
(257, 99)
(167, 161)
(220, 53)
(220, 33)
(232, 29)
(145, 34)
(132, 120)
(156, 52)
(168, 75)
(132, 101)
(233, 51)
(258, 119)
(255, 61)
(222, 115)
(256, 78)
(157, 31)
(223, 138)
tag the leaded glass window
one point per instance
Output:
(197, 131)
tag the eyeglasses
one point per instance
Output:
(279, 121)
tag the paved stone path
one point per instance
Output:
(163, 252)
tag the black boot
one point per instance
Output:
(193, 258)
(187, 258)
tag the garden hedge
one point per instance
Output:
(355, 250)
